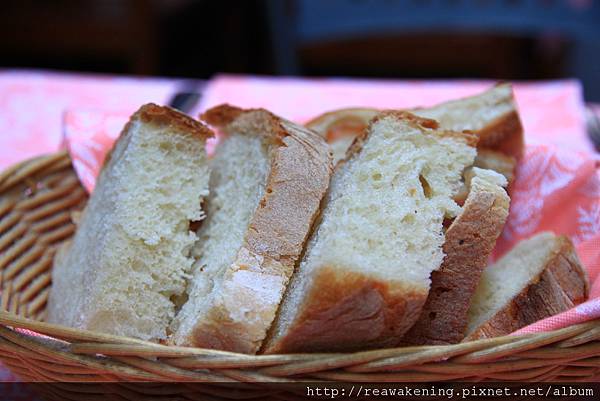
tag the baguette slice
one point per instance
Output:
(130, 256)
(269, 176)
(492, 115)
(365, 274)
(538, 278)
(469, 242)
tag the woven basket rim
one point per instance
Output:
(65, 333)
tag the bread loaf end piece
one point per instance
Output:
(365, 274)
(130, 256)
(538, 278)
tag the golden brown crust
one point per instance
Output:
(299, 176)
(416, 121)
(505, 134)
(469, 242)
(167, 116)
(421, 123)
(350, 311)
(341, 123)
(163, 116)
(221, 115)
(562, 285)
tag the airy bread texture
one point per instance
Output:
(538, 278)
(492, 115)
(469, 242)
(365, 274)
(130, 256)
(269, 176)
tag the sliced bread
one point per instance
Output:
(130, 256)
(492, 115)
(366, 271)
(269, 176)
(469, 242)
(538, 278)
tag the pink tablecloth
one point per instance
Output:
(552, 112)
(32, 104)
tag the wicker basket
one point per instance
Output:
(37, 198)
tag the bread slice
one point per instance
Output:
(469, 242)
(492, 115)
(269, 176)
(130, 256)
(365, 274)
(538, 278)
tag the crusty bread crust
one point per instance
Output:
(416, 121)
(223, 115)
(469, 242)
(505, 134)
(299, 177)
(162, 116)
(169, 117)
(469, 137)
(347, 311)
(562, 285)
(339, 123)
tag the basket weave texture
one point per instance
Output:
(37, 200)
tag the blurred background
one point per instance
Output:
(498, 39)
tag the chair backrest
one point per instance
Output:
(338, 19)
(301, 22)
